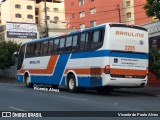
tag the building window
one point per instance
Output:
(128, 3)
(47, 9)
(72, 4)
(55, 9)
(29, 7)
(81, 2)
(48, 17)
(30, 16)
(82, 26)
(92, 10)
(56, 18)
(73, 16)
(82, 14)
(37, 20)
(18, 15)
(73, 27)
(129, 15)
(18, 6)
(91, 0)
(93, 23)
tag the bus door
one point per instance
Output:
(21, 57)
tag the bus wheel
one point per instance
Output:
(27, 81)
(71, 84)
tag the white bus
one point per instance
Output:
(104, 57)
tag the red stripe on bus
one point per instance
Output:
(86, 70)
(50, 67)
(112, 71)
(127, 71)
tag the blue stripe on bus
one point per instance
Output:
(60, 67)
(89, 82)
(57, 75)
(104, 53)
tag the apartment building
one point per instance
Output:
(55, 17)
(17, 16)
(88, 13)
(134, 12)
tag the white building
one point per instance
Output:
(31, 13)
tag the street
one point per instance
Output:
(16, 97)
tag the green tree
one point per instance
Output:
(154, 61)
(152, 8)
(6, 52)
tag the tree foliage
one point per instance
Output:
(7, 50)
(154, 62)
(152, 8)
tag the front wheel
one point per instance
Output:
(28, 82)
(71, 84)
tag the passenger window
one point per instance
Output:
(83, 41)
(75, 43)
(62, 44)
(68, 44)
(37, 49)
(32, 49)
(50, 47)
(28, 50)
(96, 39)
(56, 45)
(45, 48)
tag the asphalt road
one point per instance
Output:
(16, 97)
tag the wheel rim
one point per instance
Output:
(27, 81)
(71, 84)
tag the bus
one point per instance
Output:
(104, 57)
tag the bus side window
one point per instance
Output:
(32, 45)
(96, 41)
(68, 44)
(37, 49)
(41, 49)
(62, 45)
(50, 47)
(56, 45)
(45, 47)
(75, 43)
(28, 50)
(83, 41)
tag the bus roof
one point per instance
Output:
(87, 29)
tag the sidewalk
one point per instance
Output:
(147, 91)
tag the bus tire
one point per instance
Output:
(71, 83)
(27, 81)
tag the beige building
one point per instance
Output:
(21, 15)
(55, 17)
(128, 11)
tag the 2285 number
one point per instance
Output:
(129, 48)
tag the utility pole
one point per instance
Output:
(119, 13)
(46, 25)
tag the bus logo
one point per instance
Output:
(141, 42)
(115, 60)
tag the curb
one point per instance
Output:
(136, 93)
